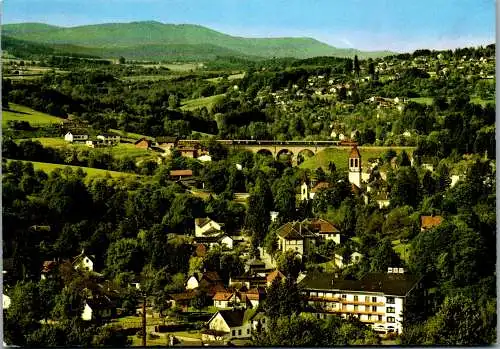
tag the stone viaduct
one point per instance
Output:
(294, 149)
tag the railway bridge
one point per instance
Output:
(293, 149)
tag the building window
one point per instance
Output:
(234, 332)
(391, 319)
(369, 317)
(390, 300)
(367, 298)
(355, 298)
(248, 331)
(380, 318)
(355, 307)
(374, 308)
(391, 310)
(239, 332)
(374, 299)
(367, 308)
(344, 296)
(344, 307)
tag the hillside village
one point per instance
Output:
(174, 212)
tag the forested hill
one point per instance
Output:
(155, 40)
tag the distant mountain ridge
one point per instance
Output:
(155, 40)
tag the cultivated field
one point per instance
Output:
(21, 113)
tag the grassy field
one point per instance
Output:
(198, 103)
(91, 172)
(230, 77)
(422, 100)
(180, 67)
(340, 156)
(483, 102)
(128, 134)
(22, 113)
(148, 77)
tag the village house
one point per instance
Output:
(254, 265)
(207, 227)
(99, 308)
(247, 280)
(84, 262)
(325, 229)
(70, 137)
(354, 258)
(232, 324)
(92, 143)
(306, 194)
(181, 300)
(222, 240)
(206, 280)
(429, 222)
(109, 138)
(227, 300)
(377, 299)
(181, 174)
(295, 236)
(166, 143)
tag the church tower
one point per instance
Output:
(355, 167)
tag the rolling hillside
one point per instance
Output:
(155, 40)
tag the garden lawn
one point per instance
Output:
(21, 113)
(340, 156)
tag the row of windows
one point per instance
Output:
(367, 299)
(354, 162)
(239, 332)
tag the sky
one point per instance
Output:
(396, 25)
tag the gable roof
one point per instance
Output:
(322, 226)
(233, 318)
(183, 296)
(273, 275)
(201, 222)
(100, 303)
(222, 296)
(390, 284)
(354, 152)
(428, 222)
(294, 231)
(212, 276)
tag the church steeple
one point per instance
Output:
(355, 166)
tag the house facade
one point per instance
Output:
(206, 226)
(109, 138)
(377, 299)
(84, 262)
(70, 137)
(355, 167)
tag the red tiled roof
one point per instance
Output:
(222, 296)
(322, 226)
(428, 222)
(320, 186)
(354, 152)
(271, 276)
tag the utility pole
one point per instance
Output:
(144, 321)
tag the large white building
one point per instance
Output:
(378, 299)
